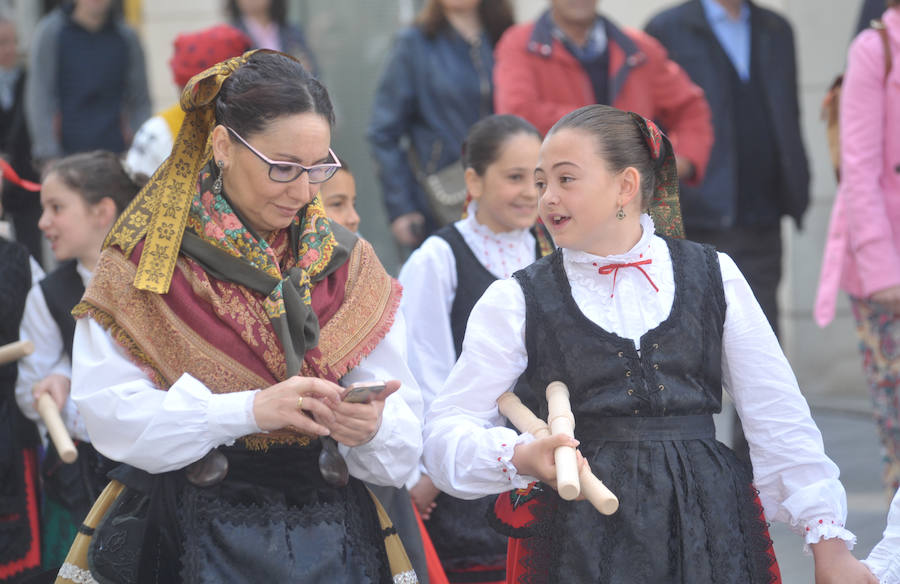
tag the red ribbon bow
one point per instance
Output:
(614, 270)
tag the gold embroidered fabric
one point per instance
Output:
(157, 338)
(160, 209)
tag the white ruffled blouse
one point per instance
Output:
(429, 289)
(48, 358)
(884, 559)
(468, 449)
(130, 420)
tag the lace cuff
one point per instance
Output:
(515, 480)
(820, 529)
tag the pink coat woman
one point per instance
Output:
(862, 253)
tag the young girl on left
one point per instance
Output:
(81, 195)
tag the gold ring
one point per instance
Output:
(300, 403)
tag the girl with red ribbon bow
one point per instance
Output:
(645, 329)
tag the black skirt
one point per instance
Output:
(272, 519)
(688, 512)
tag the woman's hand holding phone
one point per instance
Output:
(357, 422)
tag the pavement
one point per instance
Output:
(850, 437)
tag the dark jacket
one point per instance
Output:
(15, 143)
(431, 91)
(691, 42)
(869, 11)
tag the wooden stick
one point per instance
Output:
(562, 421)
(15, 351)
(596, 492)
(46, 407)
(522, 418)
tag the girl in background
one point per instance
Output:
(442, 280)
(339, 197)
(645, 331)
(339, 200)
(81, 195)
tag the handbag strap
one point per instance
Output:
(888, 58)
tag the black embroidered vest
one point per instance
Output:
(472, 279)
(678, 370)
(62, 290)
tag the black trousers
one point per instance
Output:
(757, 253)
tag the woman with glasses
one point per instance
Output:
(226, 316)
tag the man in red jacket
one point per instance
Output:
(572, 57)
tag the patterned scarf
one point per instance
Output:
(665, 208)
(283, 269)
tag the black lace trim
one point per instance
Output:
(15, 530)
(758, 552)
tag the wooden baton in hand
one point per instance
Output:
(524, 420)
(15, 351)
(562, 421)
(49, 413)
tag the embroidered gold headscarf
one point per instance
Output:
(160, 209)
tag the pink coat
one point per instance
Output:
(862, 252)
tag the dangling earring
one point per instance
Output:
(620, 214)
(217, 186)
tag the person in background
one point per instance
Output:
(194, 52)
(339, 197)
(21, 205)
(87, 84)
(339, 200)
(20, 541)
(862, 251)
(81, 196)
(442, 280)
(435, 85)
(574, 56)
(265, 22)
(743, 57)
(758, 170)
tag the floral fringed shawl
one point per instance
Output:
(244, 313)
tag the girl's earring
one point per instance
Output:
(620, 214)
(217, 186)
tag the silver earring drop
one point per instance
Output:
(217, 186)
(620, 214)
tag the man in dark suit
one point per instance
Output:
(742, 56)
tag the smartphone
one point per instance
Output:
(363, 392)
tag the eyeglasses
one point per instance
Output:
(285, 172)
